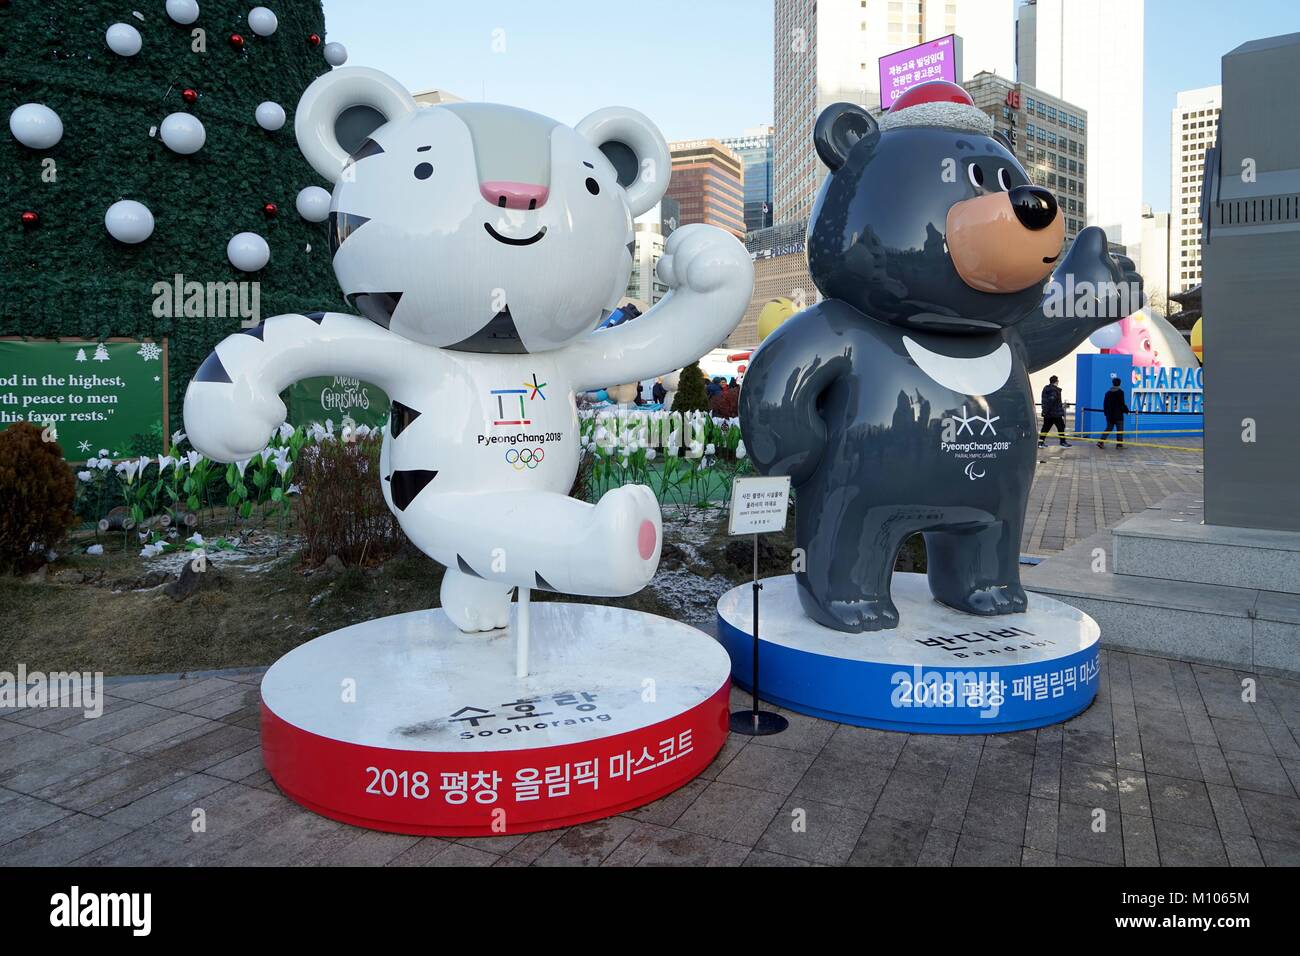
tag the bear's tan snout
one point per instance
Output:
(1004, 242)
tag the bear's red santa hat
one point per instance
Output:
(937, 103)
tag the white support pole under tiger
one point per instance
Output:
(521, 638)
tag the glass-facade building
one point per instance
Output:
(755, 150)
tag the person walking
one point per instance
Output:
(1053, 413)
(1114, 407)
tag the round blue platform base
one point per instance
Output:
(939, 672)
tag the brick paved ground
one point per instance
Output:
(1083, 489)
(1179, 768)
(1182, 769)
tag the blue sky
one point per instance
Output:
(704, 67)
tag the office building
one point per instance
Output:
(827, 51)
(755, 151)
(1156, 247)
(652, 229)
(708, 183)
(1048, 135)
(780, 271)
(1089, 53)
(1193, 128)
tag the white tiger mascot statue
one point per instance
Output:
(483, 245)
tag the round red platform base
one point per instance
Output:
(407, 725)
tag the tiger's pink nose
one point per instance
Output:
(515, 195)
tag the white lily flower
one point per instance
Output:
(151, 550)
(286, 431)
(196, 539)
(740, 449)
(178, 436)
(192, 458)
(292, 490)
(95, 549)
(103, 453)
(241, 465)
(104, 464)
(650, 454)
(709, 449)
(84, 476)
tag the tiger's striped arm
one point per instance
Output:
(232, 404)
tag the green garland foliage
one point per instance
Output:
(66, 276)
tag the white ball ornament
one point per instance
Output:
(129, 221)
(262, 21)
(183, 12)
(313, 204)
(123, 39)
(270, 116)
(182, 133)
(336, 54)
(36, 126)
(248, 252)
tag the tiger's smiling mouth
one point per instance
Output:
(514, 242)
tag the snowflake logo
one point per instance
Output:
(149, 351)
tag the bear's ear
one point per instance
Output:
(637, 151)
(1001, 137)
(341, 109)
(841, 127)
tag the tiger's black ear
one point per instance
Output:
(839, 129)
(1001, 137)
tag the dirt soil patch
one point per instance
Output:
(119, 613)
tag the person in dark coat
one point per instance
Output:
(659, 393)
(714, 386)
(1114, 407)
(1053, 413)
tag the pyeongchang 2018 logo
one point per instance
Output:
(973, 439)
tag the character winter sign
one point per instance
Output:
(483, 245)
(901, 403)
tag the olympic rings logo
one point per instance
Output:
(526, 458)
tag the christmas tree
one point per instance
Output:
(61, 272)
(692, 396)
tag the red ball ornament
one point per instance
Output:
(190, 95)
(28, 218)
(313, 39)
(236, 41)
(271, 210)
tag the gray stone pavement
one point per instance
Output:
(1083, 489)
(1170, 766)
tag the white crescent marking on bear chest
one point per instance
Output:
(982, 375)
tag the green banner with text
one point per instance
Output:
(95, 395)
(334, 398)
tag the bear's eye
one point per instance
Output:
(975, 174)
(593, 187)
(424, 171)
(1004, 179)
